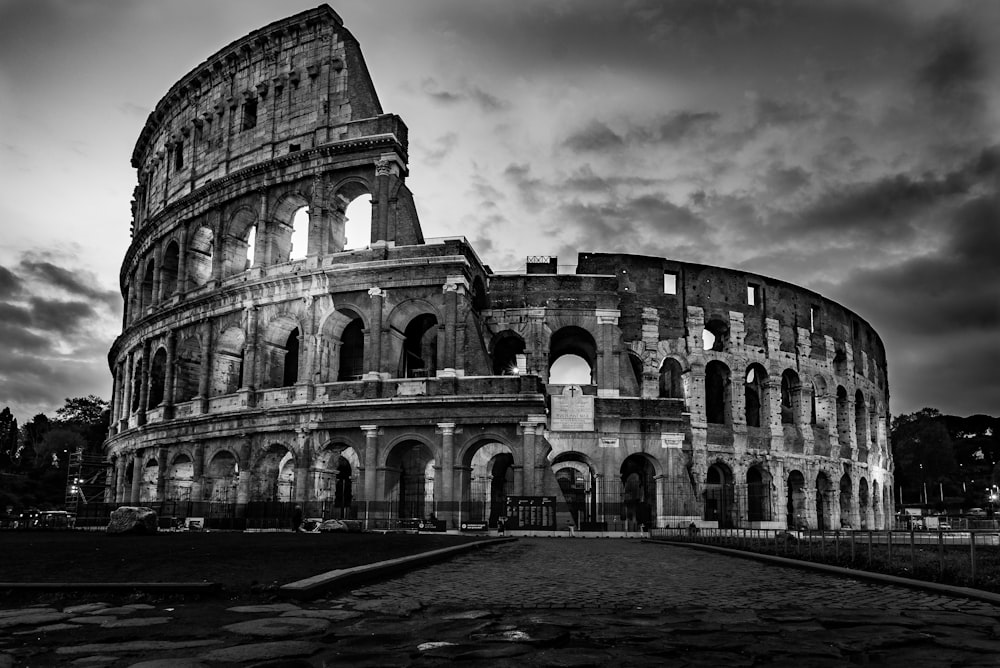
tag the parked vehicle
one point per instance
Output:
(976, 512)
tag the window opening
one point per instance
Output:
(294, 148)
(358, 223)
(352, 351)
(753, 294)
(669, 283)
(813, 318)
(570, 369)
(249, 115)
(300, 235)
(179, 156)
(291, 372)
(251, 246)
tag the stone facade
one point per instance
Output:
(406, 379)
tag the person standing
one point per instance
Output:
(297, 519)
(502, 525)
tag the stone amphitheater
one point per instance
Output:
(262, 364)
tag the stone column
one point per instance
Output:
(243, 483)
(137, 467)
(119, 491)
(608, 354)
(303, 460)
(371, 463)
(373, 346)
(157, 274)
(307, 351)
(446, 497)
(181, 284)
(218, 249)
(161, 474)
(529, 485)
(198, 473)
(454, 285)
(170, 372)
(250, 376)
(205, 369)
(144, 385)
(386, 172)
(126, 408)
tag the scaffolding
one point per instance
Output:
(86, 480)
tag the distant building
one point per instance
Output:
(406, 379)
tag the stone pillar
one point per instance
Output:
(834, 514)
(170, 372)
(662, 499)
(810, 505)
(198, 473)
(307, 350)
(373, 346)
(250, 375)
(650, 339)
(386, 174)
(218, 249)
(126, 408)
(451, 289)
(446, 498)
(119, 491)
(536, 344)
(157, 274)
(181, 285)
(144, 385)
(243, 483)
(205, 369)
(371, 464)
(608, 353)
(161, 474)
(303, 459)
(529, 485)
(137, 468)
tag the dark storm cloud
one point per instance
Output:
(529, 187)
(463, 92)
(10, 284)
(675, 127)
(772, 112)
(585, 179)
(595, 136)
(73, 281)
(62, 317)
(953, 80)
(786, 180)
(646, 217)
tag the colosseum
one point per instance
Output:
(264, 364)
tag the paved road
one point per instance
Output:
(536, 602)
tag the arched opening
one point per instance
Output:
(791, 397)
(250, 248)
(157, 378)
(188, 371)
(796, 510)
(146, 288)
(508, 354)
(579, 348)
(273, 477)
(492, 481)
(299, 241)
(820, 403)
(873, 425)
(846, 501)
(718, 407)
(228, 362)
(824, 499)
(168, 272)
(336, 483)
(180, 477)
(281, 350)
(758, 494)
(221, 478)
(200, 254)
(358, 223)
(480, 299)
(860, 420)
(409, 482)
(638, 478)
(715, 334)
(420, 347)
(671, 385)
(755, 401)
(631, 385)
(147, 486)
(719, 496)
(126, 490)
(352, 351)
(864, 504)
(876, 506)
(136, 383)
(843, 422)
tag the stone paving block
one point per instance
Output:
(29, 617)
(93, 620)
(51, 628)
(264, 651)
(136, 622)
(96, 661)
(84, 607)
(867, 638)
(170, 663)
(132, 646)
(270, 607)
(330, 615)
(279, 627)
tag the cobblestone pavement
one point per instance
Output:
(536, 602)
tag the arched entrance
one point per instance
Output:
(758, 495)
(796, 510)
(575, 477)
(491, 481)
(409, 481)
(824, 499)
(221, 477)
(638, 476)
(273, 476)
(719, 493)
(336, 482)
(180, 476)
(846, 501)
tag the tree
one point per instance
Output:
(56, 447)
(89, 416)
(8, 439)
(923, 450)
(32, 434)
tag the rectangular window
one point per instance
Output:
(753, 294)
(179, 155)
(669, 283)
(813, 318)
(293, 148)
(249, 115)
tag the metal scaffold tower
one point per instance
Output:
(86, 480)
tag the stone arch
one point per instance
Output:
(149, 480)
(414, 325)
(337, 474)
(671, 381)
(860, 420)
(791, 397)
(146, 287)
(507, 350)
(718, 398)
(201, 255)
(221, 477)
(824, 501)
(846, 513)
(169, 269)
(272, 476)
(288, 225)
(346, 191)
(281, 345)
(227, 362)
(575, 475)
(488, 478)
(820, 412)
(578, 342)
(756, 401)
(180, 478)
(864, 504)
(638, 474)
(410, 479)
(188, 368)
(759, 497)
(796, 498)
(239, 253)
(715, 335)
(719, 495)
(343, 340)
(157, 378)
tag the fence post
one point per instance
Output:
(889, 536)
(940, 555)
(836, 546)
(852, 548)
(869, 548)
(913, 554)
(972, 556)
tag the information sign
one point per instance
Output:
(531, 513)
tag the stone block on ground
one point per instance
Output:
(132, 519)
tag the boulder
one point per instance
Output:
(132, 519)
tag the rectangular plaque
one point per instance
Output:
(531, 512)
(573, 410)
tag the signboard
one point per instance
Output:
(573, 410)
(474, 526)
(531, 513)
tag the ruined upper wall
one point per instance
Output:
(290, 86)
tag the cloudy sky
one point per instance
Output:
(850, 147)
